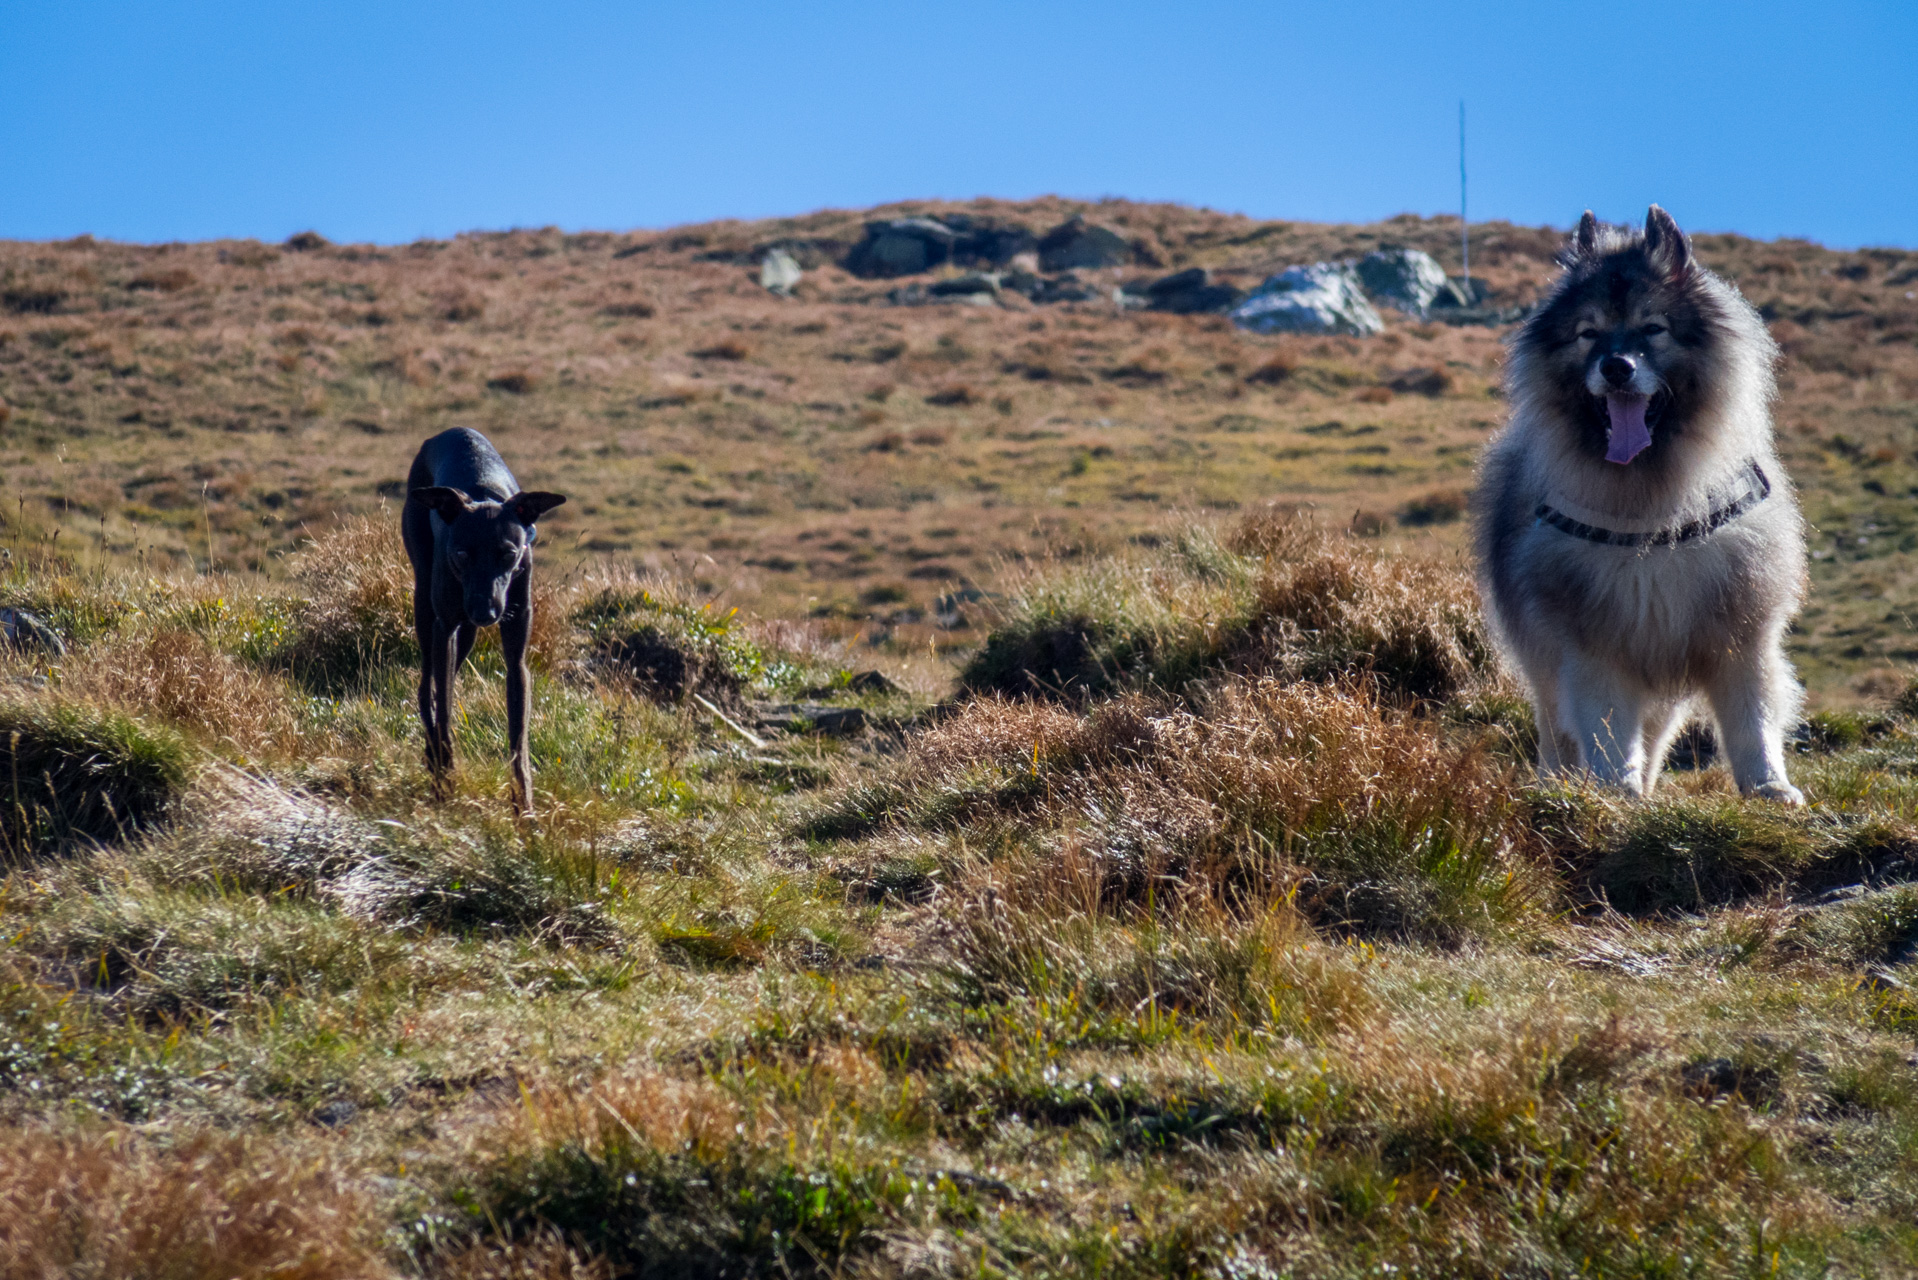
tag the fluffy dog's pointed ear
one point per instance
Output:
(1667, 246)
(450, 503)
(1585, 239)
(528, 507)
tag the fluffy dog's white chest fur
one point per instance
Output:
(1657, 609)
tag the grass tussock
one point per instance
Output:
(356, 605)
(250, 833)
(1267, 791)
(653, 635)
(116, 1203)
(73, 772)
(260, 891)
(1275, 595)
(665, 1177)
(181, 678)
(1692, 853)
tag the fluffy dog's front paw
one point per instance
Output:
(1783, 792)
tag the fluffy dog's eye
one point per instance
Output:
(1652, 330)
(1588, 335)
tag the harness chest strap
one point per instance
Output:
(1757, 488)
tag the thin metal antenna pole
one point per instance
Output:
(1464, 237)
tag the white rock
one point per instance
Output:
(1407, 279)
(779, 272)
(1322, 298)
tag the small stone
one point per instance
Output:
(978, 290)
(336, 1114)
(812, 717)
(1021, 281)
(975, 283)
(872, 682)
(1063, 288)
(24, 632)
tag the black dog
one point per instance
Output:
(469, 533)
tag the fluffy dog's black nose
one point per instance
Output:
(1617, 370)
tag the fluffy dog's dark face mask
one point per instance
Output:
(1626, 343)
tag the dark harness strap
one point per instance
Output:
(1711, 522)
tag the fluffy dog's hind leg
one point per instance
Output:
(1608, 723)
(1557, 752)
(1754, 699)
(1663, 720)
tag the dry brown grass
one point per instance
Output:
(1328, 604)
(956, 394)
(181, 678)
(664, 1112)
(724, 349)
(357, 592)
(116, 1203)
(514, 382)
(544, 1255)
(1269, 791)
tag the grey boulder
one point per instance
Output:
(1467, 302)
(1406, 279)
(978, 289)
(1066, 287)
(1457, 292)
(902, 247)
(1076, 244)
(1323, 298)
(1191, 292)
(985, 242)
(978, 282)
(909, 246)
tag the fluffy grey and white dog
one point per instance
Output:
(1640, 550)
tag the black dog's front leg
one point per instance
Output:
(515, 630)
(424, 629)
(443, 660)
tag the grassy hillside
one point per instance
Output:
(1184, 908)
(831, 454)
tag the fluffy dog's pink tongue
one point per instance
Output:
(1629, 435)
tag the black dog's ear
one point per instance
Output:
(1667, 246)
(1585, 239)
(528, 507)
(450, 503)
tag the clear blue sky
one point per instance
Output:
(402, 119)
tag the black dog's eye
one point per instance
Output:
(1652, 330)
(1589, 335)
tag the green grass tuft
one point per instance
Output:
(1273, 597)
(70, 772)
